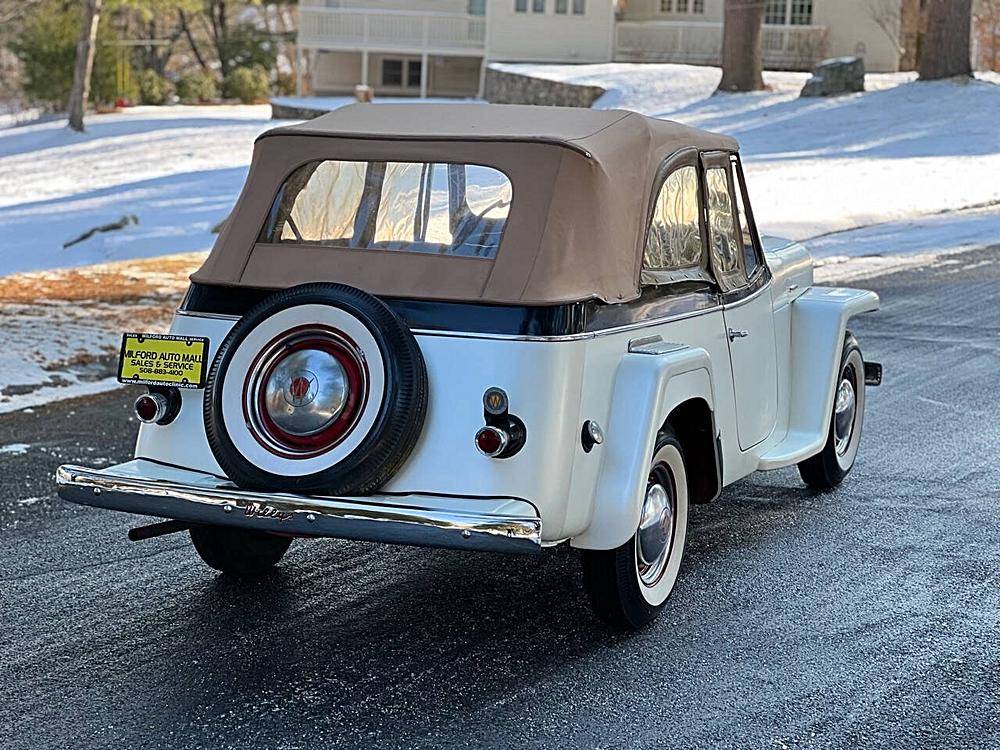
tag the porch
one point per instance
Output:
(786, 47)
(415, 43)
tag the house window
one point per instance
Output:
(682, 6)
(562, 7)
(698, 6)
(392, 72)
(520, 6)
(802, 13)
(666, 6)
(537, 6)
(397, 73)
(413, 73)
(775, 12)
(579, 7)
(477, 7)
(674, 240)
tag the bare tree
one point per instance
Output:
(80, 92)
(946, 50)
(742, 56)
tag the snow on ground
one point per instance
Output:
(177, 169)
(863, 179)
(902, 149)
(855, 254)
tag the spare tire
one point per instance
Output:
(319, 388)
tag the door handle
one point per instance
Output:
(736, 333)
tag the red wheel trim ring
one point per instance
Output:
(338, 345)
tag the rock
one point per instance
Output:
(840, 75)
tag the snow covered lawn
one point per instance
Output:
(177, 169)
(903, 149)
(875, 181)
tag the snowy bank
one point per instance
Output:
(178, 169)
(902, 149)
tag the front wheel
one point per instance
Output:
(827, 469)
(240, 553)
(629, 585)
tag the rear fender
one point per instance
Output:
(648, 386)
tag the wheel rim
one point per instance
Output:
(657, 525)
(305, 391)
(845, 409)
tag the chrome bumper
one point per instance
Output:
(140, 486)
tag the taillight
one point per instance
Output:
(504, 434)
(150, 408)
(492, 441)
(159, 406)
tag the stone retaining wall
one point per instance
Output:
(503, 87)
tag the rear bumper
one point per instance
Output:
(149, 488)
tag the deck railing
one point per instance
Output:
(784, 47)
(350, 28)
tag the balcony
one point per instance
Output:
(785, 47)
(391, 31)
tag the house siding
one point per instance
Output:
(548, 36)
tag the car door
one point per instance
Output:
(744, 278)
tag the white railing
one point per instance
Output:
(349, 28)
(784, 47)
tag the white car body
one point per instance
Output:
(784, 375)
(623, 395)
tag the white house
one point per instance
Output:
(441, 47)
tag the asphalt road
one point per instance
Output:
(868, 617)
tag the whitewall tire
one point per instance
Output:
(629, 585)
(319, 388)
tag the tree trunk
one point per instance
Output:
(945, 51)
(80, 92)
(742, 56)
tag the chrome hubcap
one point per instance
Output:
(656, 531)
(843, 414)
(306, 392)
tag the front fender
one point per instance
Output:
(648, 386)
(819, 324)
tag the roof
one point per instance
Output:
(582, 183)
(573, 127)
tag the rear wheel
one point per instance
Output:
(827, 469)
(629, 585)
(240, 553)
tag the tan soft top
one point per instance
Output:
(581, 190)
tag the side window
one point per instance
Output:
(751, 258)
(727, 250)
(674, 241)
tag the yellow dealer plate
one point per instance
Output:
(160, 359)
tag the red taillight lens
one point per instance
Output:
(151, 407)
(491, 441)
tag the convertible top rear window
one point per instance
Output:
(445, 209)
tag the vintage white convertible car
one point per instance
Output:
(489, 328)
